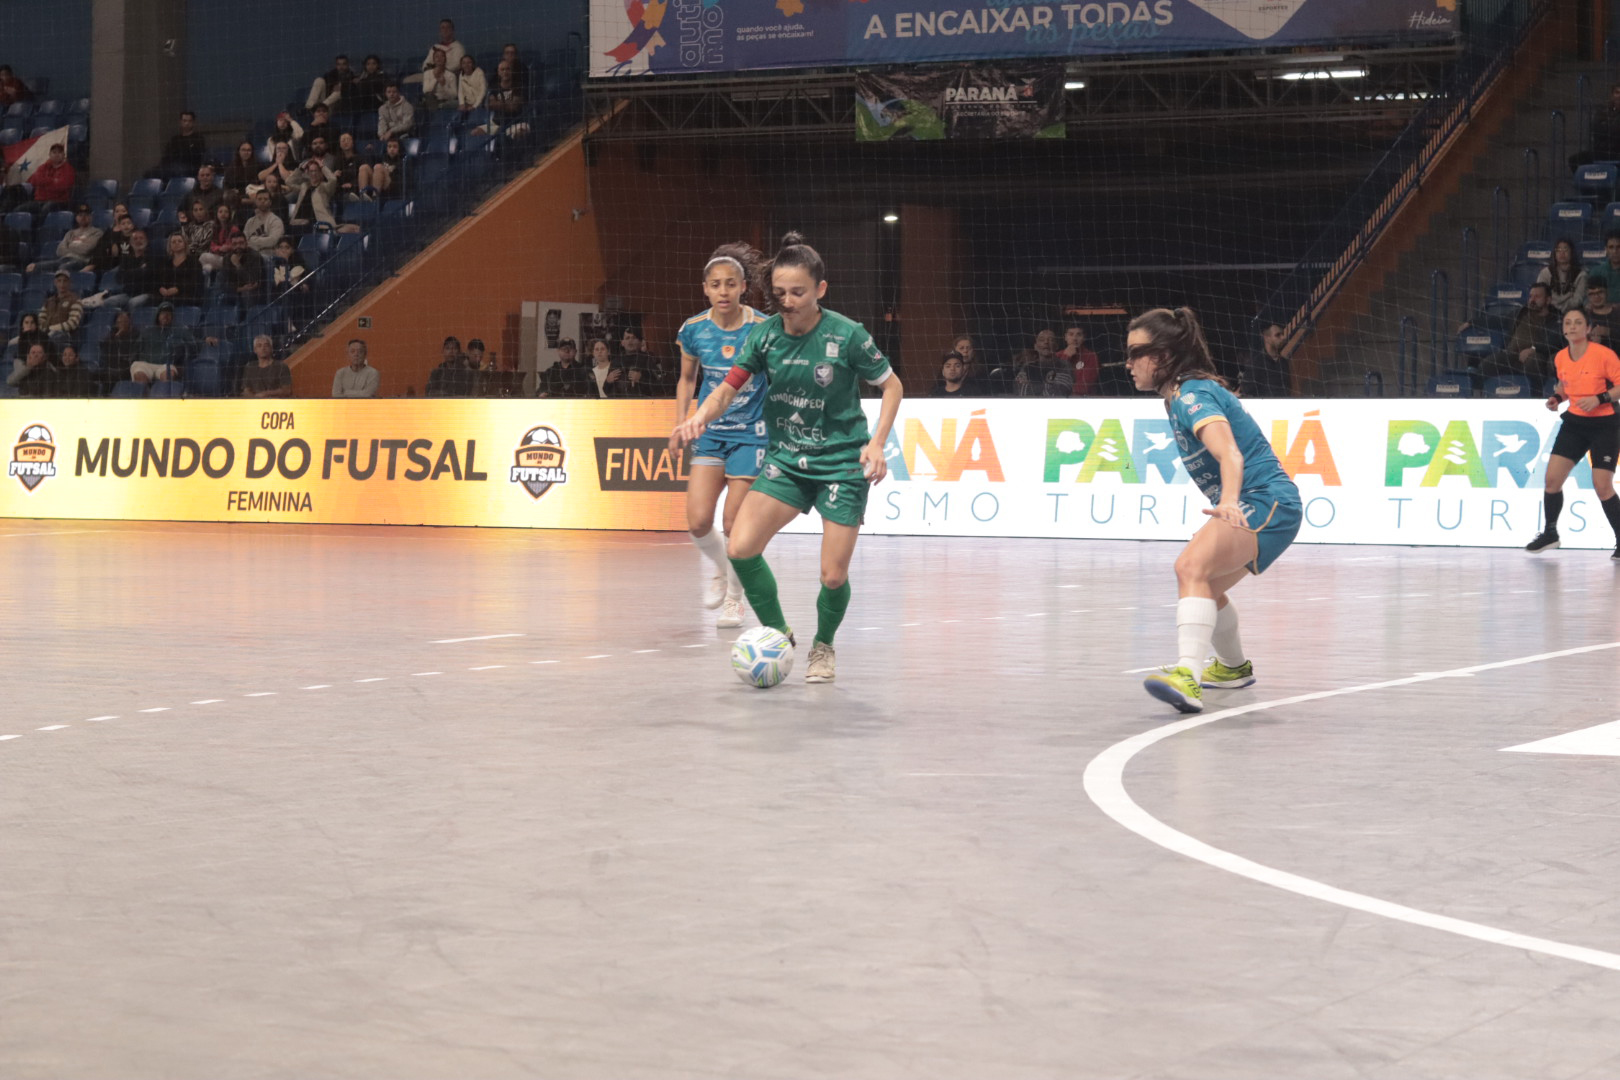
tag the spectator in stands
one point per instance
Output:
(219, 239)
(268, 377)
(282, 164)
(334, 88)
(506, 103)
(62, 312)
(114, 245)
(12, 89)
(476, 360)
(357, 379)
(67, 378)
(53, 182)
(1267, 372)
(208, 190)
(264, 228)
(320, 127)
(395, 116)
(241, 174)
(184, 153)
(1608, 270)
(367, 94)
(1564, 277)
(313, 192)
(242, 275)
(389, 177)
(648, 375)
(566, 378)
(137, 272)
(121, 347)
(471, 85)
(1081, 360)
(29, 333)
(164, 350)
(1601, 319)
(504, 380)
(1036, 371)
(30, 371)
(345, 164)
(78, 245)
(607, 377)
(446, 49)
(953, 377)
(454, 377)
(440, 86)
(179, 278)
(279, 199)
(978, 368)
(1605, 133)
(519, 70)
(1537, 336)
(289, 131)
(198, 229)
(287, 271)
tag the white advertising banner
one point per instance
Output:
(1407, 471)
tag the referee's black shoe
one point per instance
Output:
(1545, 542)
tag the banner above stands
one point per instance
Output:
(667, 37)
(1408, 471)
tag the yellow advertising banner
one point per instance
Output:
(513, 464)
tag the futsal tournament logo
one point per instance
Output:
(33, 459)
(540, 459)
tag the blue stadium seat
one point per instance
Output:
(1537, 251)
(315, 246)
(1611, 216)
(142, 317)
(440, 121)
(22, 110)
(1569, 219)
(205, 376)
(1451, 384)
(102, 318)
(147, 188)
(1525, 273)
(82, 105)
(10, 135)
(1476, 342)
(32, 299)
(128, 388)
(102, 219)
(188, 316)
(78, 134)
(168, 218)
(20, 222)
(10, 285)
(84, 282)
(138, 203)
(363, 214)
(51, 107)
(1597, 179)
(170, 389)
(1513, 386)
(1590, 251)
(440, 142)
(90, 353)
(178, 188)
(141, 216)
(410, 147)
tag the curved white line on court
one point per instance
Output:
(1105, 785)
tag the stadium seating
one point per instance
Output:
(1508, 386)
(1451, 384)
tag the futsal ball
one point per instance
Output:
(762, 657)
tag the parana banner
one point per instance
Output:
(983, 101)
(664, 37)
(1411, 471)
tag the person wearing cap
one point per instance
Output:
(356, 379)
(164, 349)
(953, 377)
(63, 310)
(53, 187)
(566, 377)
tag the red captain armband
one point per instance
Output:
(736, 377)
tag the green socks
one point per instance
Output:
(759, 585)
(830, 608)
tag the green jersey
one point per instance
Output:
(813, 414)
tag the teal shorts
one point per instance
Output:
(842, 501)
(1275, 522)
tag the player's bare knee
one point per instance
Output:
(1604, 488)
(834, 578)
(700, 526)
(1191, 569)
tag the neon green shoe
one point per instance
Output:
(1217, 676)
(1178, 686)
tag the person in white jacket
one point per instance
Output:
(447, 46)
(472, 87)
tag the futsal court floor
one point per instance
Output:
(284, 801)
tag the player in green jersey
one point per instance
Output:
(821, 453)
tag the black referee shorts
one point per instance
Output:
(1597, 435)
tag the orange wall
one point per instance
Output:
(524, 244)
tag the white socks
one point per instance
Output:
(1196, 619)
(713, 544)
(1228, 648)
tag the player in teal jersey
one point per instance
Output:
(1257, 506)
(821, 453)
(731, 452)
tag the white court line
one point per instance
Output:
(869, 628)
(51, 727)
(6, 738)
(1140, 670)
(543, 661)
(699, 645)
(374, 678)
(160, 708)
(910, 624)
(486, 667)
(427, 673)
(207, 701)
(261, 693)
(639, 651)
(64, 532)
(1034, 614)
(484, 637)
(318, 686)
(600, 656)
(1105, 786)
(94, 719)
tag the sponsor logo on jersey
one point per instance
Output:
(33, 459)
(1187, 399)
(832, 350)
(1194, 408)
(728, 351)
(824, 372)
(771, 472)
(540, 457)
(795, 419)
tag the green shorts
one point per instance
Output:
(842, 501)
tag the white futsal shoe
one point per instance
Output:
(823, 665)
(715, 593)
(730, 612)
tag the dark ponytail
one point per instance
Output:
(796, 253)
(747, 256)
(1186, 353)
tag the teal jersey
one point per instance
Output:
(813, 415)
(1199, 401)
(716, 350)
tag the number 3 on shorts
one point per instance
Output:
(832, 494)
